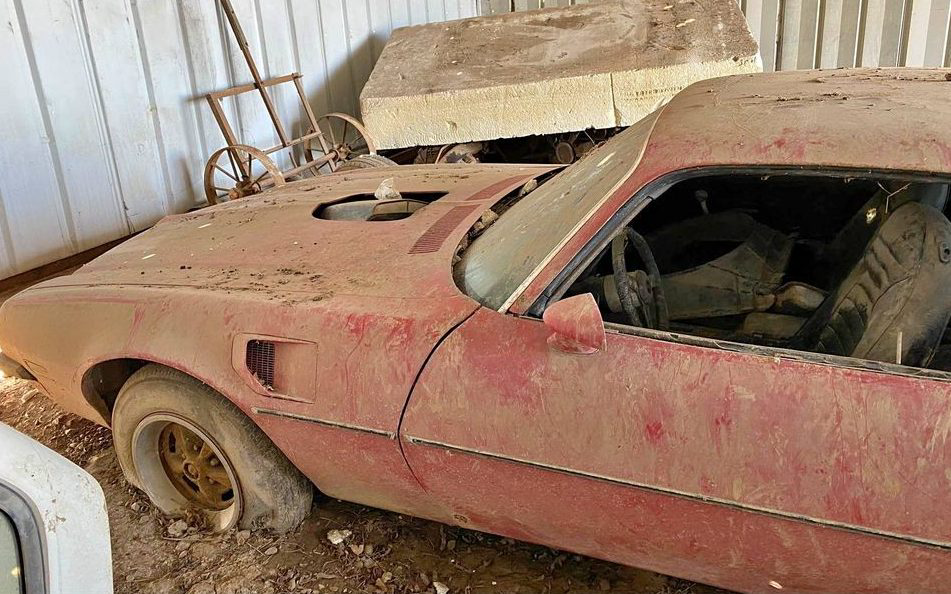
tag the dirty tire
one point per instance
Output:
(366, 162)
(270, 492)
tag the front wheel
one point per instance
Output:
(192, 450)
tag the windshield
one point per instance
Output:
(508, 252)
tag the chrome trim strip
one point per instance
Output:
(322, 422)
(687, 495)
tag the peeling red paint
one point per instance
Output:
(655, 431)
(741, 428)
(723, 467)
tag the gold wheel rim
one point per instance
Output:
(194, 469)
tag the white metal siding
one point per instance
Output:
(796, 34)
(103, 128)
(103, 124)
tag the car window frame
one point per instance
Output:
(599, 242)
(650, 121)
(30, 538)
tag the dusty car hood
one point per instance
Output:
(273, 246)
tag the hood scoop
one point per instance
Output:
(366, 207)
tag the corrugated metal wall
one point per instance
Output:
(103, 126)
(828, 33)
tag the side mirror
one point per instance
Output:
(576, 325)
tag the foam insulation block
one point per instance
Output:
(596, 65)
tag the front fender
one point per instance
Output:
(59, 333)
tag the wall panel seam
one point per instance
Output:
(65, 219)
(198, 105)
(102, 120)
(7, 236)
(153, 106)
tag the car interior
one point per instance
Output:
(857, 267)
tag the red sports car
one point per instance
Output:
(715, 347)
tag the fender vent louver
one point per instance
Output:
(431, 240)
(260, 361)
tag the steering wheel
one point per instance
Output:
(641, 297)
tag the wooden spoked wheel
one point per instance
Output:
(239, 171)
(341, 138)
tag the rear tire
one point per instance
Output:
(366, 162)
(193, 451)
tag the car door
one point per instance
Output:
(740, 466)
(54, 530)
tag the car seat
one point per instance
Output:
(849, 243)
(895, 301)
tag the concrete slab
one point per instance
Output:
(597, 65)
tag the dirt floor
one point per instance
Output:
(381, 552)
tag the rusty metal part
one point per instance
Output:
(426, 155)
(366, 162)
(239, 171)
(194, 469)
(564, 153)
(258, 83)
(262, 87)
(583, 147)
(460, 153)
(568, 148)
(336, 137)
(441, 153)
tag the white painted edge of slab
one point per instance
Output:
(637, 93)
(485, 113)
(545, 107)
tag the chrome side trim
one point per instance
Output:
(322, 422)
(943, 545)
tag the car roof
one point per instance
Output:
(888, 118)
(857, 120)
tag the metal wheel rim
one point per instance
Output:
(194, 469)
(338, 148)
(240, 179)
(167, 491)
